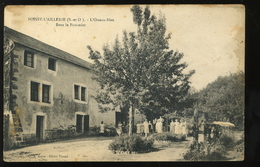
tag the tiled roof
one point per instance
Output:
(30, 42)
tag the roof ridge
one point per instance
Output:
(36, 44)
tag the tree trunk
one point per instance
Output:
(131, 119)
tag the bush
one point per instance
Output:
(60, 133)
(205, 151)
(196, 152)
(8, 143)
(30, 139)
(94, 131)
(167, 136)
(227, 140)
(130, 144)
(110, 130)
(240, 144)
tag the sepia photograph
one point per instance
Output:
(87, 83)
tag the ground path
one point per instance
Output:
(93, 149)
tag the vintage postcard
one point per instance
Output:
(124, 83)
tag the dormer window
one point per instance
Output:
(52, 64)
(28, 59)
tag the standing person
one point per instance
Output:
(205, 133)
(119, 129)
(172, 127)
(138, 127)
(150, 126)
(160, 125)
(177, 127)
(212, 132)
(142, 128)
(102, 129)
(217, 132)
(154, 125)
(202, 129)
(157, 126)
(183, 128)
(209, 132)
(146, 127)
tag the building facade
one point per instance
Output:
(46, 88)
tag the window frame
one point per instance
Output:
(76, 92)
(34, 92)
(44, 87)
(83, 96)
(26, 53)
(42, 90)
(80, 97)
(52, 64)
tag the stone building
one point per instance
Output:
(46, 88)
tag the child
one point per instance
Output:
(102, 129)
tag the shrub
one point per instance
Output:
(167, 136)
(204, 151)
(110, 130)
(94, 131)
(130, 144)
(30, 139)
(8, 143)
(240, 147)
(227, 140)
(60, 133)
(240, 144)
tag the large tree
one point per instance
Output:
(223, 99)
(141, 72)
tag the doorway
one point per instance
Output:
(86, 123)
(79, 123)
(82, 123)
(39, 127)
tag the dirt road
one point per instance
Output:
(93, 149)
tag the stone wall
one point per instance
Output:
(62, 108)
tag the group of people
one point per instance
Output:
(178, 127)
(156, 126)
(150, 127)
(208, 131)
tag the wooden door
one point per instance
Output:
(79, 123)
(39, 127)
(86, 123)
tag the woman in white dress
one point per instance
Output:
(146, 127)
(160, 125)
(183, 128)
(172, 127)
(177, 127)
(138, 127)
(154, 125)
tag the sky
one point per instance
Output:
(211, 37)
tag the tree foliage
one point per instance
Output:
(141, 70)
(223, 99)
